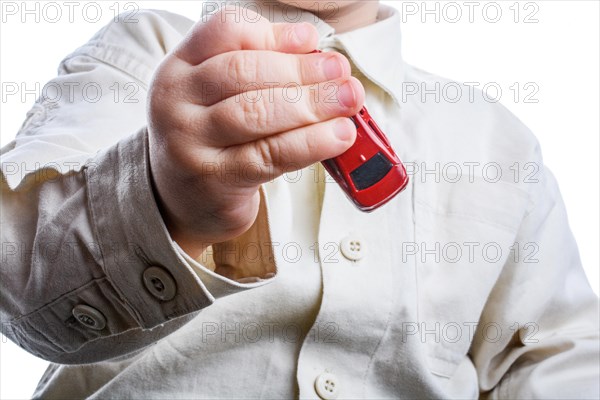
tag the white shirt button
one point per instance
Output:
(353, 248)
(89, 317)
(327, 386)
(160, 283)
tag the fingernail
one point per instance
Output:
(333, 68)
(346, 95)
(342, 130)
(302, 32)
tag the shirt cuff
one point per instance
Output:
(139, 258)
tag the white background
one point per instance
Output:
(559, 53)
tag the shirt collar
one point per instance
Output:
(374, 49)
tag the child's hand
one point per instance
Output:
(234, 106)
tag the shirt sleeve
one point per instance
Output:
(89, 271)
(544, 300)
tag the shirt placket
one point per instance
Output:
(360, 296)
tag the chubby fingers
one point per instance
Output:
(259, 114)
(265, 159)
(230, 74)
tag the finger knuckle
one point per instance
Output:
(311, 143)
(256, 114)
(220, 122)
(242, 67)
(304, 68)
(313, 108)
(268, 151)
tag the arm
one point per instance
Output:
(553, 352)
(119, 282)
(80, 224)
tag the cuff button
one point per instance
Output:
(89, 317)
(159, 283)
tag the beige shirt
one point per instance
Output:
(468, 284)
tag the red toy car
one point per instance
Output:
(369, 172)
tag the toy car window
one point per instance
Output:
(371, 172)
